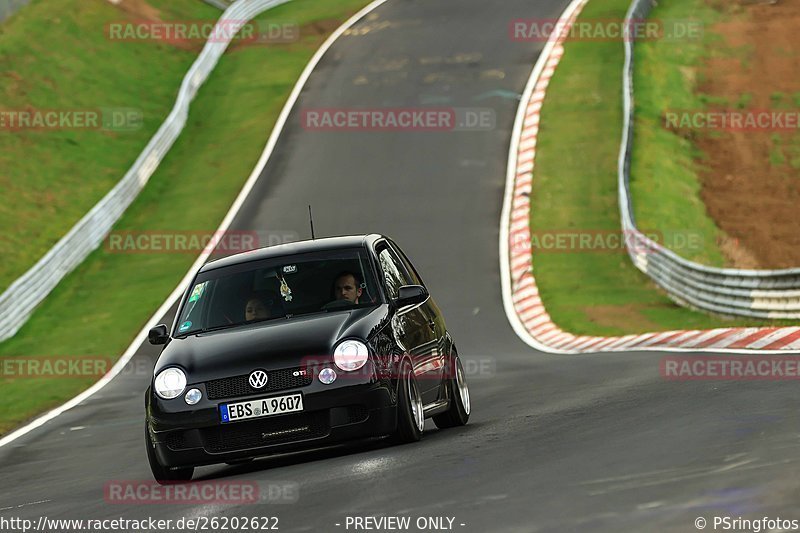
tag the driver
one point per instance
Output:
(255, 309)
(347, 286)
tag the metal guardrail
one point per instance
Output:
(754, 293)
(220, 4)
(24, 294)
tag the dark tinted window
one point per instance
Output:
(394, 274)
(409, 268)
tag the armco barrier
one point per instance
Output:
(523, 305)
(753, 293)
(21, 298)
(221, 4)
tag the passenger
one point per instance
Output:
(255, 310)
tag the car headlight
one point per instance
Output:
(170, 383)
(350, 355)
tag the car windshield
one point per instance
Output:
(278, 288)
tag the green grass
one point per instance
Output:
(99, 308)
(744, 101)
(665, 183)
(575, 189)
(777, 99)
(785, 150)
(55, 55)
(776, 157)
(794, 151)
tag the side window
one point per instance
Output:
(394, 275)
(194, 309)
(412, 273)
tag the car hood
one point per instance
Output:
(280, 343)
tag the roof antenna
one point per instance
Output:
(311, 220)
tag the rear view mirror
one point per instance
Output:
(411, 294)
(158, 334)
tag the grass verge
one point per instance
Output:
(98, 309)
(575, 190)
(665, 184)
(55, 56)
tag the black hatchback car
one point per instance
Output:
(298, 346)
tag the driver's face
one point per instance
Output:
(345, 288)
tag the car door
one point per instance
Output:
(433, 317)
(410, 324)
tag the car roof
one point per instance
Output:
(298, 247)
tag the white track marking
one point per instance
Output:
(226, 222)
(540, 333)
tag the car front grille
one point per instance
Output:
(257, 433)
(357, 413)
(239, 385)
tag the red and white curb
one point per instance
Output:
(524, 307)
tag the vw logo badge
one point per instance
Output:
(258, 379)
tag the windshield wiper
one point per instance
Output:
(236, 324)
(216, 328)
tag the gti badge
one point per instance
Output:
(258, 379)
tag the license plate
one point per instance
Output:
(233, 412)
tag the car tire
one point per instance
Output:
(458, 391)
(162, 474)
(410, 417)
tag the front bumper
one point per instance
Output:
(196, 437)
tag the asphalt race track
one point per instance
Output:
(555, 443)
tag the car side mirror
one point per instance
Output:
(158, 334)
(410, 295)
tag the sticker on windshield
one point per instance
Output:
(197, 292)
(186, 325)
(290, 269)
(286, 292)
